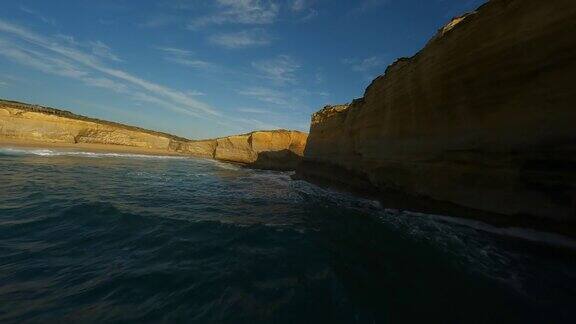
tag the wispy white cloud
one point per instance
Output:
(54, 56)
(311, 13)
(247, 12)
(280, 69)
(365, 65)
(303, 9)
(287, 101)
(57, 66)
(3, 83)
(106, 83)
(144, 97)
(102, 50)
(174, 51)
(39, 16)
(257, 123)
(298, 5)
(266, 95)
(183, 57)
(96, 48)
(241, 39)
(39, 61)
(195, 93)
(254, 111)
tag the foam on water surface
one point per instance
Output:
(192, 240)
(55, 152)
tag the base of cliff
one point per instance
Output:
(335, 177)
(284, 160)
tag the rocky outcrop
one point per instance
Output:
(484, 117)
(273, 150)
(278, 149)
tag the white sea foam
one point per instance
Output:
(351, 202)
(517, 232)
(224, 165)
(49, 152)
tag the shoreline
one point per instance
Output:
(547, 236)
(88, 147)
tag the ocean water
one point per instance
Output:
(87, 237)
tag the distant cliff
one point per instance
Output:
(278, 149)
(484, 117)
(273, 150)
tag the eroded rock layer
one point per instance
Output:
(273, 150)
(483, 117)
(278, 149)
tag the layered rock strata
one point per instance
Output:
(484, 117)
(274, 150)
(279, 149)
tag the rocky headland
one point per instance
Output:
(482, 121)
(36, 125)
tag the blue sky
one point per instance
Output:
(200, 68)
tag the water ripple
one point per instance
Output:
(124, 238)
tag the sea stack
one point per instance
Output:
(483, 118)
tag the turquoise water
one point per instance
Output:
(118, 238)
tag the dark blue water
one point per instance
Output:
(106, 238)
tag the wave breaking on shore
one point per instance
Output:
(10, 151)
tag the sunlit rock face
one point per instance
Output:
(483, 117)
(276, 150)
(32, 123)
(279, 149)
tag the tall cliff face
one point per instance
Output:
(279, 149)
(483, 117)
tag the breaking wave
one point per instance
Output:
(52, 152)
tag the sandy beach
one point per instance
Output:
(85, 147)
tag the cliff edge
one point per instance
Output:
(272, 150)
(483, 118)
(276, 149)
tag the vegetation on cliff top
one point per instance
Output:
(71, 115)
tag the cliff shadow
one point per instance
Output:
(335, 177)
(284, 160)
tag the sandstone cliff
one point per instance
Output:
(483, 117)
(279, 149)
(274, 150)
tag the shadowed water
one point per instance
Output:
(90, 237)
